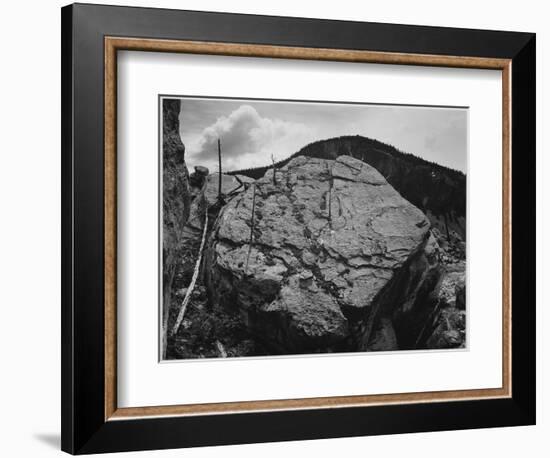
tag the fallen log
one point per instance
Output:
(187, 297)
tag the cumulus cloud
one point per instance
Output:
(248, 140)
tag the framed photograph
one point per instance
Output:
(281, 228)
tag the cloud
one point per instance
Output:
(247, 140)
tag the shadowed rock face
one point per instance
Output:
(409, 301)
(176, 199)
(175, 178)
(448, 327)
(326, 257)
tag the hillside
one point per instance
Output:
(438, 191)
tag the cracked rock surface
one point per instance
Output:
(307, 256)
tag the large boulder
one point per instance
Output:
(321, 257)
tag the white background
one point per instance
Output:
(30, 229)
(142, 76)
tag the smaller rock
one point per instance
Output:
(196, 181)
(300, 321)
(449, 329)
(446, 339)
(201, 170)
(452, 292)
(230, 185)
(182, 292)
(199, 292)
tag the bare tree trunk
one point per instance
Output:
(219, 170)
(251, 229)
(329, 203)
(195, 275)
(447, 227)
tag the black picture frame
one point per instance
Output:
(84, 428)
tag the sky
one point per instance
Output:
(251, 131)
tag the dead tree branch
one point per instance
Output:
(274, 170)
(219, 170)
(195, 275)
(329, 194)
(251, 229)
(221, 349)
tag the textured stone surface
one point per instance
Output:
(176, 200)
(449, 329)
(230, 184)
(316, 262)
(413, 297)
(303, 318)
(201, 170)
(452, 292)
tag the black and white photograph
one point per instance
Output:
(305, 227)
(275, 229)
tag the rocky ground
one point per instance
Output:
(448, 327)
(207, 331)
(324, 256)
